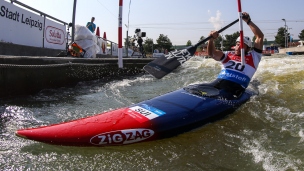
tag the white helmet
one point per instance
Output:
(247, 41)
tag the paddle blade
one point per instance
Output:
(166, 64)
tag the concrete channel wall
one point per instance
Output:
(24, 74)
(21, 50)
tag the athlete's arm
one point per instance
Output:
(256, 31)
(211, 50)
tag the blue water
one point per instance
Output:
(266, 133)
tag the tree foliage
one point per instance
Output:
(265, 41)
(226, 41)
(202, 38)
(129, 42)
(148, 45)
(189, 43)
(230, 40)
(218, 42)
(164, 42)
(280, 37)
(200, 48)
(301, 35)
(253, 39)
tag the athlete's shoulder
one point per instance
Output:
(255, 53)
(256, 56)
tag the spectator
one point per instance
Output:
(91, 26)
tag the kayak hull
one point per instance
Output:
(161, 117)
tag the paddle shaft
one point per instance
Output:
(219, 31)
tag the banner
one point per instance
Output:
(54, 35)
(20, 26)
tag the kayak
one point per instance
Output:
(160, 117)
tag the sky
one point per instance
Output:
(179, 20)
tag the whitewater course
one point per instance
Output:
(266, 133)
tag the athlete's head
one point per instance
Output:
(247, 45)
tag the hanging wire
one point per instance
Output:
(106, 8)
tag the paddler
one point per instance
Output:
(235, 77)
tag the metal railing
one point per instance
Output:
(35, 10)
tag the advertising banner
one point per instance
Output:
(20, 26)
(54, 35)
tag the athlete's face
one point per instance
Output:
(237, 48)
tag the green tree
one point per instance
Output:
(164, 42)
(129, 41)
(253, 40)
(230, 40)
(265, 41)
(202, 38)
(218, 42)
(301, 35)
(148, 44)
(280, 37)
(189, 43)
(201, 47)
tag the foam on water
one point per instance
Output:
(279, 106)
(120, 88)
(263, 153)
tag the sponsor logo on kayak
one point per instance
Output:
(120, 137)
(144, 112)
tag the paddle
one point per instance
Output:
(166, 64)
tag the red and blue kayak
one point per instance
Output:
(163, 116)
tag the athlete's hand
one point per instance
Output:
(214, 34)
(246, 17)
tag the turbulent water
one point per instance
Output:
(266, 133)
